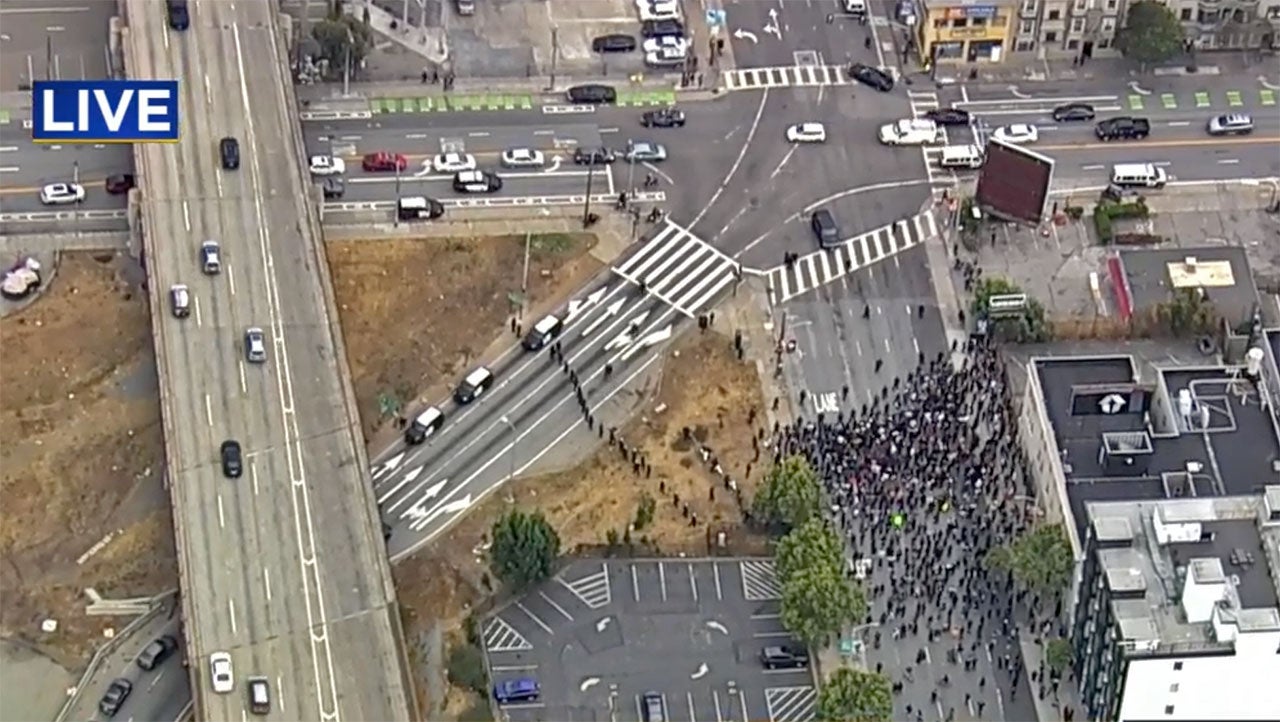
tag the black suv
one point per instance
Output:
(232, 462)
(1123, 128)
(785, 657)
(156, 652)
(117, 692)
(663, 118)
(593, 156)
(872, 76)
(229, 150)
(948, 116)
(592, 93)
(179, 15)
(825, 228)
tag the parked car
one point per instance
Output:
(948, 116)
(333, 188)
(383, 161)
(522, 689)
(60, 194)
(645, 152)
(784, 657)
(120, 183)
(663, 118)
(325, 165)
(1230, 124)
(807, 133)
(1017, 134)
(871, 76)
(615, 43)
(655, 28)
(665, 57)
(593, 156)
(591, 93)
(473, 385)
(658, 9)
(1073, 112)
(522, 158)
(160, 649)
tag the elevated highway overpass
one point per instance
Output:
(283, 568)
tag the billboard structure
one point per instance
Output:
(1014, 183)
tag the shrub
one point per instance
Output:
(466, 669)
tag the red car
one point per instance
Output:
(384, 161)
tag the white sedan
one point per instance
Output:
(522, 158)
(658, 9)
(58, 194)
(654, 45)
(807, 133)
(327, 165)
(453, 162)
(220, 667)
(1018, 134)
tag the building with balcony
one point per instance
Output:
(966, 31)
(1178, 615)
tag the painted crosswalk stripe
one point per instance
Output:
(679, 269)
(785, 76)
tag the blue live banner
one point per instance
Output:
(105, 111)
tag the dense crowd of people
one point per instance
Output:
(923, 482)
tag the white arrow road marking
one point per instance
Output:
(1013, 90)
(747, 34)
(602, 624)
(588, 683)
(576, 307)
(647, 341)
(434, 491)
(389, 465)
(622, 339)
(702, 668)
(426, 169)
(1133, 85)
(407, 478)
(717, 626)
(555, 164)
(456, 506)
(609, 311)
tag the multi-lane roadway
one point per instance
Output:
(284, 567)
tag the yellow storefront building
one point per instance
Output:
(965, 31)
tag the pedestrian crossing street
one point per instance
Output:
(830, 264)
(785, 76)
(791, 704)
(680, 269)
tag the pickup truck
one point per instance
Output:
(1123, 128)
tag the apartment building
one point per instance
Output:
(1178, 615)
(965, 31)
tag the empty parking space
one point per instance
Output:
(59, 39)
(605, 639)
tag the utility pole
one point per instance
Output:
(48, 57)
(404, 15)
(555, 55)
(395, 211)
(586, 205)
(346, 66)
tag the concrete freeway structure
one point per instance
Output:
(283, 568)
(620, 320)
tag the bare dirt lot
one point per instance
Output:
(703, 387)
(416, 313)
(83, 457)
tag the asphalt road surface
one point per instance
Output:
(159, 694)
(284, 567)
(25, 167)
(618, 322)
(59, 39)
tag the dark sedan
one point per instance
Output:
(120, 183)
(117, 692)
(871, 76)
(948, 116)
(1073, 111)
(616, 43)
(593, 156)
(664, 118)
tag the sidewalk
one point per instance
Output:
(431, 43)
(1051, 707)
(1036, 70)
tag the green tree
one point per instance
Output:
(790, 495)
(1188, 313)
(1151, 34)
(644, 510)
(1058, 654)
(986, 288)
(817, 602)
(1040, 559)
(855, 695)
(339, 35)
(1030, 326)
(466, 668)
(525, 547)
(812, 544)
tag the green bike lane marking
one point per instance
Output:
(1135, 102)
(4, 117)
(1169, 101)
(1202, 99)
(444, 103)
(1267, 97)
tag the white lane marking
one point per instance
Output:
(9, 169)
(755, 125)
(42, 10)
(222, 519)
(416, 136)
(253, 472)
(244, 388)
(1229, 161)
(1179, 123)
(231, 278)
(208, 409)
(195, 301)
(8, 148)
(479, 134)
(266, 582)
(231, 607)
(186, 216)
(208, 90)
(1093, 166)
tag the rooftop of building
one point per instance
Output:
(1150, 547)
(1221, 271)
(934, 5)
(1122, 433)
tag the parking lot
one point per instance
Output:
(604, 633)
(64, 39)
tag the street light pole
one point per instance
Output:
(346, 66)
(555, 54)
(395, 211)
(586, 205)
(524, 278)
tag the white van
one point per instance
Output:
(961, 156)
(1144, 175)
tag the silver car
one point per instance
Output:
(642, 151)
(522, 158)
(255, 345)
(1230, 124)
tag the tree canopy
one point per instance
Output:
(1058, 654)
(812, 544)
(1151, 34)
(338, 33)
(817, 602)
(855, 695)
(1040, 559)
(790, 495)
(524, 549)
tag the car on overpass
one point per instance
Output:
(477, 181)
(453, 162)
(113, 699)
(220, 671)
(383, 161)
(232, 460)
(326, 165)
(60, 194)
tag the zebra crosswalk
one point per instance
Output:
(680, 269)
(829, 264)
(785, 76)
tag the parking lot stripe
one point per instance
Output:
(715, 572)
(693, 583)
(635, 584)
(555, 606)
(662, 579)
(536, 620)
(502, 637)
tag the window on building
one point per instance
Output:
(940, 23)
(1077, 25)
(1185, 15)
(1111, 5)
(1168, 709)
(979, 22)
(1273, 12)
(1055, 14)
(1173, 687)
(1103, 43)
(999, 21)
(1177, 666)
(1027, 27)
(1072, 44)
(1051, 37)
(1025, 46)
(960, 22)
(1108, 25)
